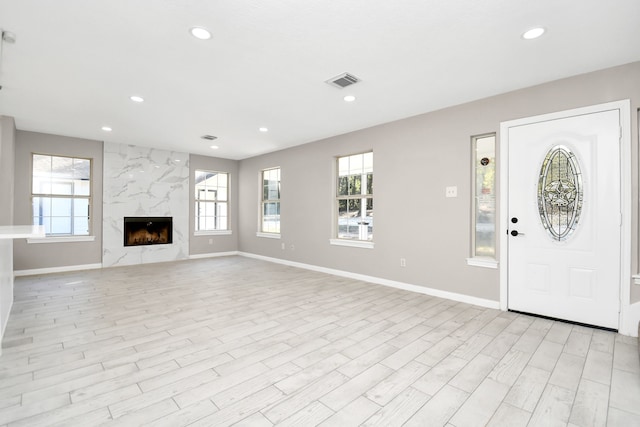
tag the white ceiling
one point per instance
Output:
(76, 62)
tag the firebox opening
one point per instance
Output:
(148, 231)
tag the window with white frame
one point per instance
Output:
(484, 196)
(270, 204)
(61, 194)
(354, 197)
(212, 201)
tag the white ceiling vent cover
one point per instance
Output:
(343, 80)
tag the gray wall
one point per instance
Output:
(199, 245)
(43, 255)
(7, 159)
(414, 160)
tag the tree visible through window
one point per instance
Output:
(270, 212)
(354, 198)
(61, 194)
(212, 201)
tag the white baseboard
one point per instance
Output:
(385, 282)
(62, 269)
(213, 255)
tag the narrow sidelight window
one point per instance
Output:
(484, 196)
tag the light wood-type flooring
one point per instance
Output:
(237, 341)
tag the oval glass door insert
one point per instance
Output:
(560, 193)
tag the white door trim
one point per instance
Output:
(625, 324)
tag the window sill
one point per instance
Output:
(351, 243)
(482, 262)
(268, 235)
(65, 239)
(213, 233)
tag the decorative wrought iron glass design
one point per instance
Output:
(560, 193)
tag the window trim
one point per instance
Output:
(227, 201)
(261, 232)
(484, 262)
(365, 244)
(268, 235)
(58, 238)
(212, 232)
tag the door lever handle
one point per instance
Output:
(516, 233)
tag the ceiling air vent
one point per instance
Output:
(209, 137)
(343, 80)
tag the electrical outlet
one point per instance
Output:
(292, 247)
(451, 191)
(211, 241)
(403, 262)
(283, 247)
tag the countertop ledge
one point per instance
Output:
(21, 231)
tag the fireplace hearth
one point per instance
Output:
(148, 231)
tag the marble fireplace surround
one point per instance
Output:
(140, 181)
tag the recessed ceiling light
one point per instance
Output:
(200, 33)
(136, 98)
(263, 129)
(533, 33)
(214, 147)
(106, 128)
(349, 98)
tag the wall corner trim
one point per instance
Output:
(385, 282)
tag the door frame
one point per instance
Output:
(624, 325)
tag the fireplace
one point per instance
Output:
(148, 230)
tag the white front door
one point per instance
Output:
(564, 218)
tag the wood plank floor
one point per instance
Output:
(236, 341)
